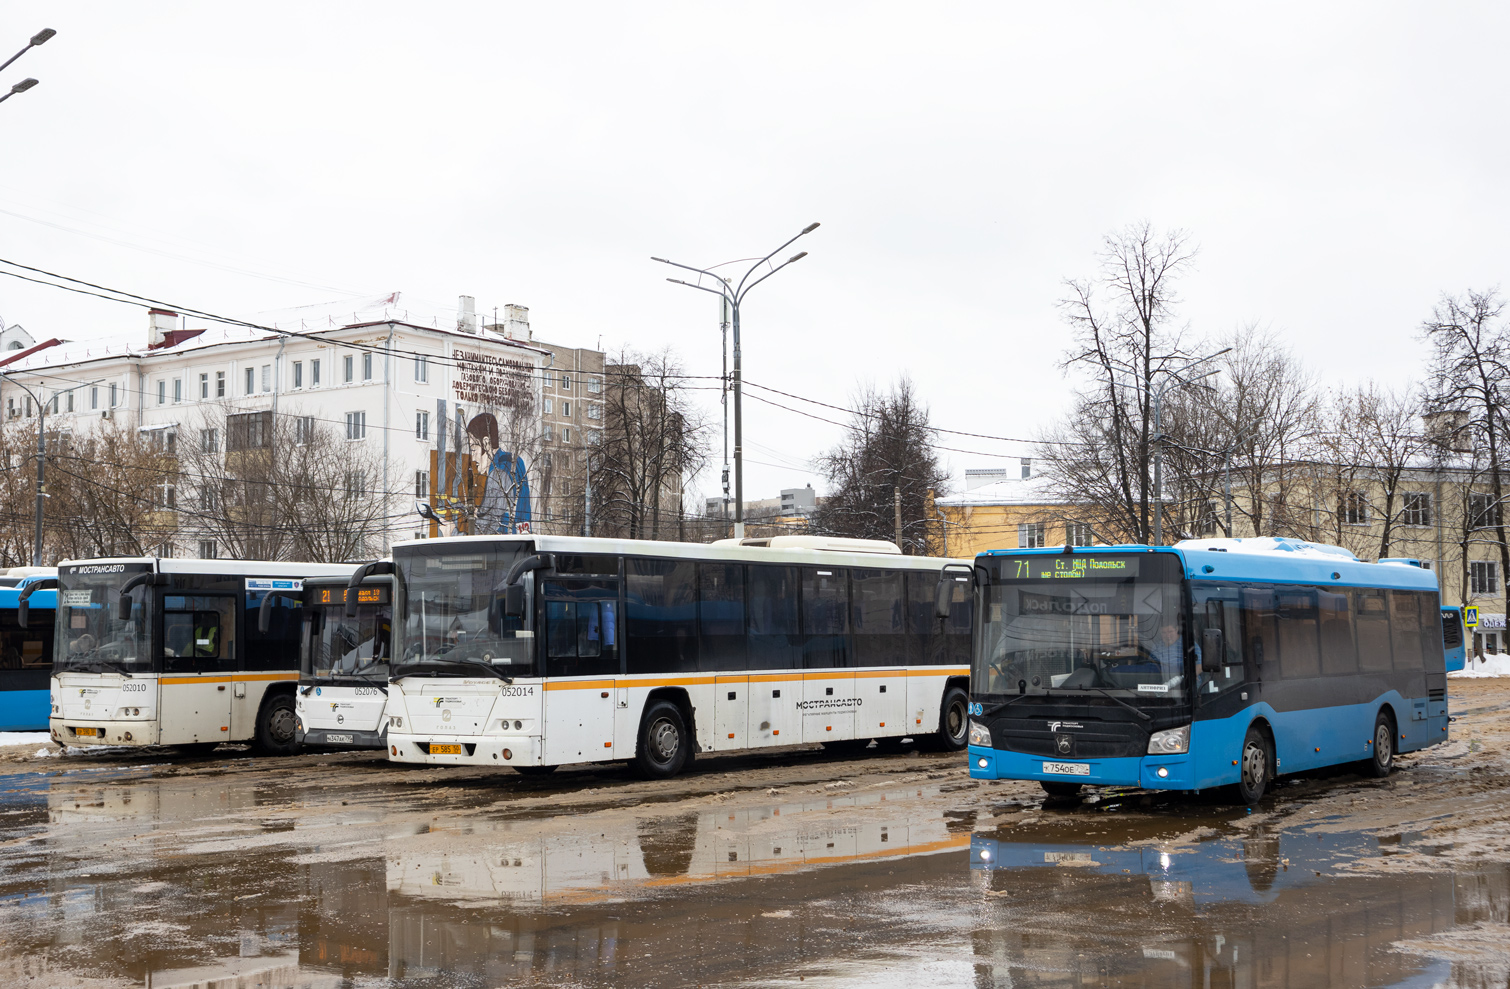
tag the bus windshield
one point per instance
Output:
(337, 646)
(454, 610)
(1086, 622)
(92, 639)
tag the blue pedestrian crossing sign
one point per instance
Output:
(1471, 617)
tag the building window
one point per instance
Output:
(69, 403)
(550, 407)
(1417, 510)
(421, 369)
(565, 410)
(355, 487)
(421, 484)
(162, 391)
(348, 363)
(28, 406)
(207, 549)
(367, 366)
(422, 425)
(267, 377)
(204, 386)
(298, 374)
(1078, 534)
(314, 374)
(595, 412)
(356, 424)
(1355, 508)
(113, 390)
(1484, 511)
(178, 390)
(94, 398)
(1032, 535)
(547, 432)
(248, 431)
(1483, 577)
(165, 551)
(207, 500)
(566, 382)
(304, 430)
(251, 381)
(594, 386)
(209, 441)
(167, 497)
(565, 434)
(219, 385)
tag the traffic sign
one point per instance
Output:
(1471, 616)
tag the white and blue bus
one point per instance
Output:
(1210, 663)
(28, 596)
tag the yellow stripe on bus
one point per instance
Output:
(753, 678)
(236, 678)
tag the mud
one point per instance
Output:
(795, 867)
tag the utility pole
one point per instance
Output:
(896, 505)
(1158, 437)
(36, 550)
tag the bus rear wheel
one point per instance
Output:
(954, 720)
(1382, 760)
(1254, 766)
(276, 724)
(663, 744)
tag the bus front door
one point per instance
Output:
(582, 637)
(198, 646)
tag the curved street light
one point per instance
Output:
(36, 551)
(40, 38)
(734, 295)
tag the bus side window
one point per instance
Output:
(1218, 608)
(1299, 632)
(721, 616)
(773, 642)
(1405, 620)
(880, 621)
(1371, 626)
(1260, 640)
(1338, 654)
(825, 617)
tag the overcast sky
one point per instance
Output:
(1339, 165)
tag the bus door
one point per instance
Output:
(581, 655)
(198, 656)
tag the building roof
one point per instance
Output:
(1036, 490)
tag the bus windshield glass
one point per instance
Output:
(1082, 622)
(454, 613)
(92, 638)
(336, 646)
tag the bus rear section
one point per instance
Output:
(178, 652)
(1454, 642)
(553, 650)
(1211, 663)
(28, 596)
(345, 653)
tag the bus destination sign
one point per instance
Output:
(365, 595)
(1066, 567)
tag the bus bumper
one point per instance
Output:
(476, 750)
(1144, 771)
(341, 738)
(67, 732)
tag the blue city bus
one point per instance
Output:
(26, 651)
(1454, 642)
(1210, 663)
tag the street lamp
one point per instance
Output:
(1175, 378)
(36, 552)
(40, 38)
(734, 295)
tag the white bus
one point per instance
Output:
(178, 652)
(536, 651)
(343, 663)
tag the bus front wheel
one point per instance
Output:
(1382, 760)
(276, 726)
(1254, 766)
(663, 746)
(954, 720)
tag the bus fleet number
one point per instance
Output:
(512, 691)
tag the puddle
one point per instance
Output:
(302, 880)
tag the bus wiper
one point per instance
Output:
(1006, 704)
(397, 675)
(1107, 693)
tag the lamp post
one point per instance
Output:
(36, 552)
(40, 38)
(1175, 378)
(734, 295)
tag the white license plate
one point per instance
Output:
(338, 739)
(1068, 768)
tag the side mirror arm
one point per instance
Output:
(362, 573)
(123, 606)
(23, 606)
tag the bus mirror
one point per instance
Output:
(942, 597)
(513, 601)
(265, 613)
(1213, 650)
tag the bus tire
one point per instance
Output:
(534, 770)
(1382, 760)
(664, 743)
(1255, 766)
(954, 720)
(276, 732)
(1061, 791)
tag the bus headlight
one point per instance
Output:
(979, 734)
(1170, 742)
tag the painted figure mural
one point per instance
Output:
(505, 505)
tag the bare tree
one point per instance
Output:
(113, 493)
(653, 437)
(887, 452)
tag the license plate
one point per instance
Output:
(92, 732)
(338, 739)
(444, 749)
(1068, 768)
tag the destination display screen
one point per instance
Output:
(1080, 566)
(365, 595)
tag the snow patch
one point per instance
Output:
(1485, 666)
(24, 738)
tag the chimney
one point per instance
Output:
(516, 322)
(466, 314)
(161, 322)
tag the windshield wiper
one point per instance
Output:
(453, 662)
(1006, 704)
(1107, 693)
(96, 666)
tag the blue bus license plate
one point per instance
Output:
(1068, 768)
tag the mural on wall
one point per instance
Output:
(480, 485)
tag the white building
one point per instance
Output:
(406, 390)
